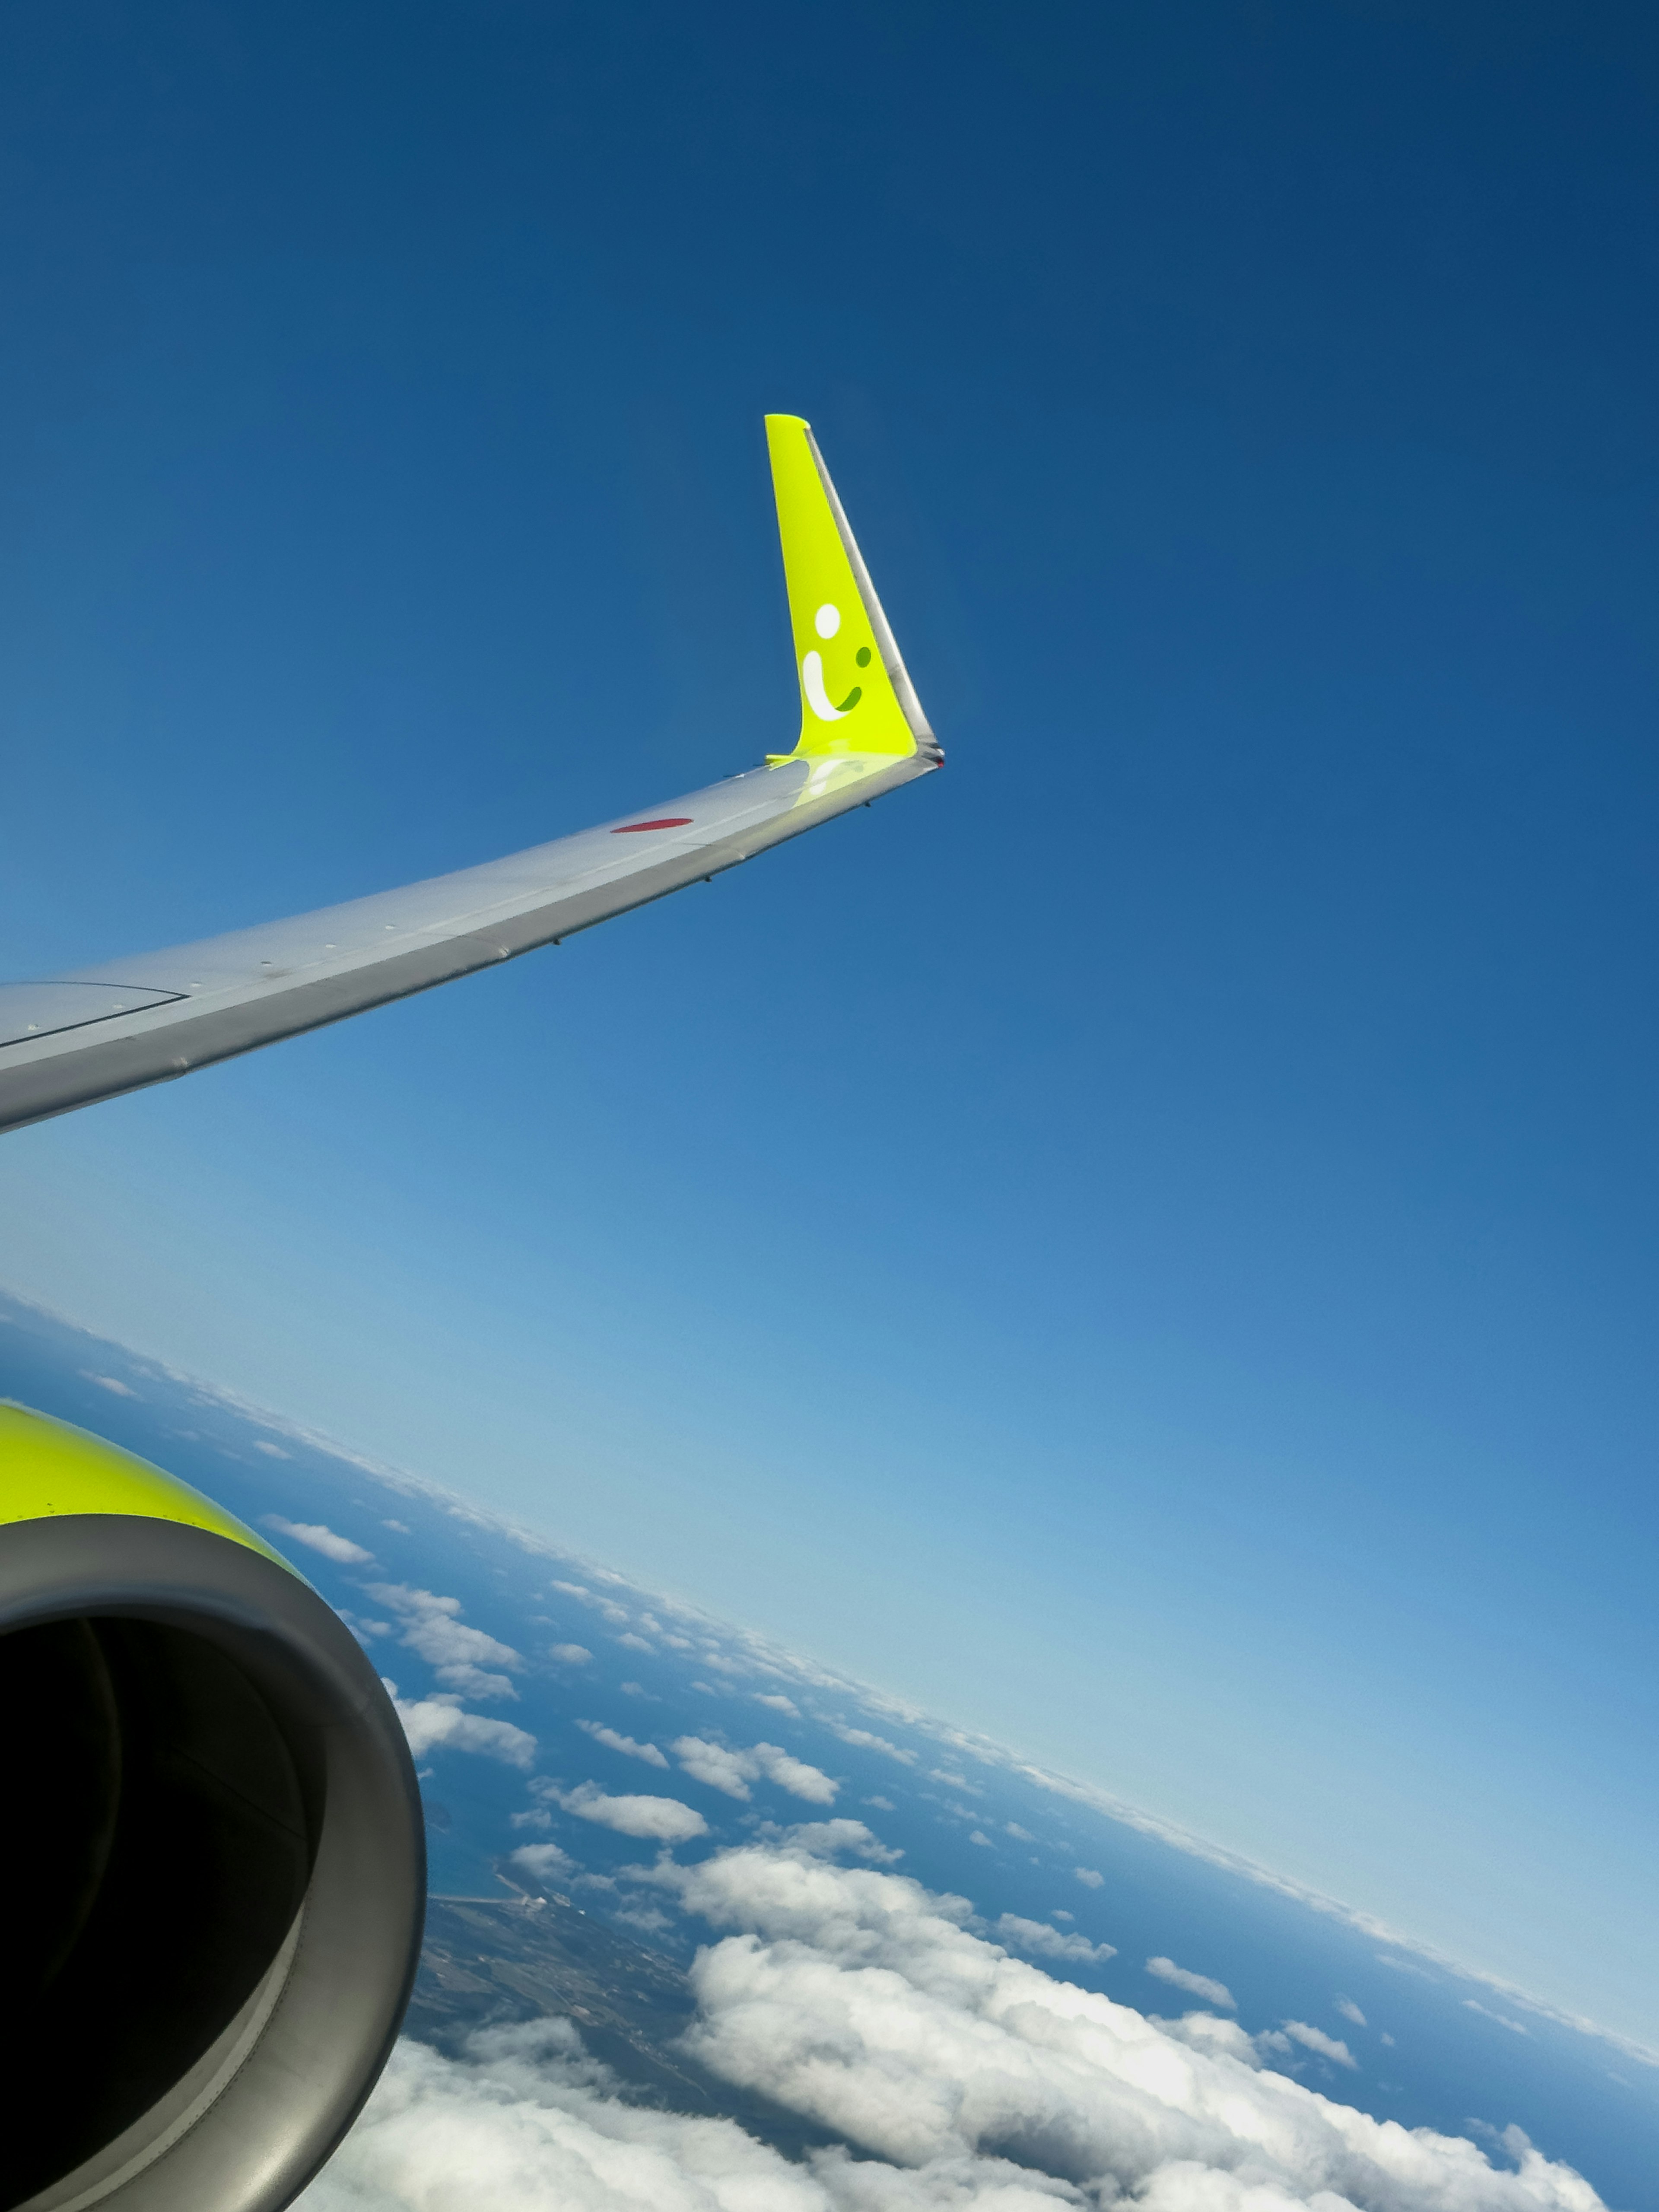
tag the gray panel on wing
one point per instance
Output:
(28, 1010)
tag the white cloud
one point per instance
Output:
(881, 1804)
(979, 1836)
(635, 1643)
(1089, 1877)
(608, 1606)
(861, 2002)
(645, 1917)
(542, 1861)
(657, 1820)
(1473, 2004)
(111, 1382)
(526, 2122)
(1196, 1985)
(1350, 2010)
(817, 1840)
(1316, 2039)
(431, 1724)
(862, 1739)
(400, 1527)
(316, 1538)
(775, 1698)
(1020, 1835)
(460, 1656)
(732, 1771)
(271, 1450)
(810, 1783)
(625, 1744)
(1036, 1935)
(715, 1766)
(571, 1655)
(1221, 2038)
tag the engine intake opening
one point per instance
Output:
(162, 1853)
(215, 1870)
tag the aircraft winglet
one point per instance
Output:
(856, 695)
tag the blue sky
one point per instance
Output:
(1144, 1243)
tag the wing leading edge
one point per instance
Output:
(69, 1040)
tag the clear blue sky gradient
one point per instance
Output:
(1143, 1243)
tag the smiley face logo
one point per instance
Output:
(827, 621)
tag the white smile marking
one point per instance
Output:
(811, 677)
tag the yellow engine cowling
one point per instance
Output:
(218, 1874)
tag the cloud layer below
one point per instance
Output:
(964, 2078)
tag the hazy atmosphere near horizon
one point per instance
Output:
(1139, 1249)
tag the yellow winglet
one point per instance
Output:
(856, 695)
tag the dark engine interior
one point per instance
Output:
(157, 1843)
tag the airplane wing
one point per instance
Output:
(70, 1039)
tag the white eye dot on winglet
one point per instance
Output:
(827, 621)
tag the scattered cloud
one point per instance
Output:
(608, 1606)
(543, 1862)
(645, 1917)
(960, 2076)
(1314, 2039)
(1036, 1935)
(657, 1820)
(400, 1528)
(777, 1701)
(1350, 2010)
(365, 1631)
(625, 1744)
(1089, 1877)
(635, 1643)
(881, 1804)
(431, 1724)
(979, 1836)
(461, 1657)
(269, 1449)
(1060, 1913)
(862, 1739)
(526, 2106)
(732, 1771)
(572, 1654)
(316, 1538)
(1514, 2027)
(110, 1383)
(1196, 1985)
(817, 1840)
(1020, 1835)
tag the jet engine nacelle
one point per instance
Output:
(217, 1872)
